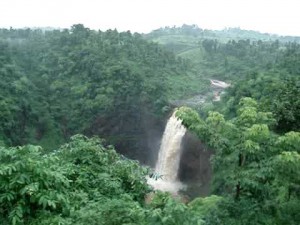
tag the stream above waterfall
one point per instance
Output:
(217, 89)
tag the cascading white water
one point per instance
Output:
(169, 157)
(170, 149)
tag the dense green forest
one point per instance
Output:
(63, 82)
(59, 88)
(259, 66)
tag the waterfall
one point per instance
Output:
(170, 149)
(169, 157)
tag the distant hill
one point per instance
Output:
(185, 40)
(224, 54)
(193, 32)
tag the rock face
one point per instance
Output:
(138, 137)
(195, 167)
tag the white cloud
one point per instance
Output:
(276, 16)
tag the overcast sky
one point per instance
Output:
(272, 16)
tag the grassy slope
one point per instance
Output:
(185, 42)
(186, 47)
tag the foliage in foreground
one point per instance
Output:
(256, 169)
(82, 183)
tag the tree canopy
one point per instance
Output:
(254, 167)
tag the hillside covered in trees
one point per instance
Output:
(261, 66)
(59, 88)
(63, 82)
